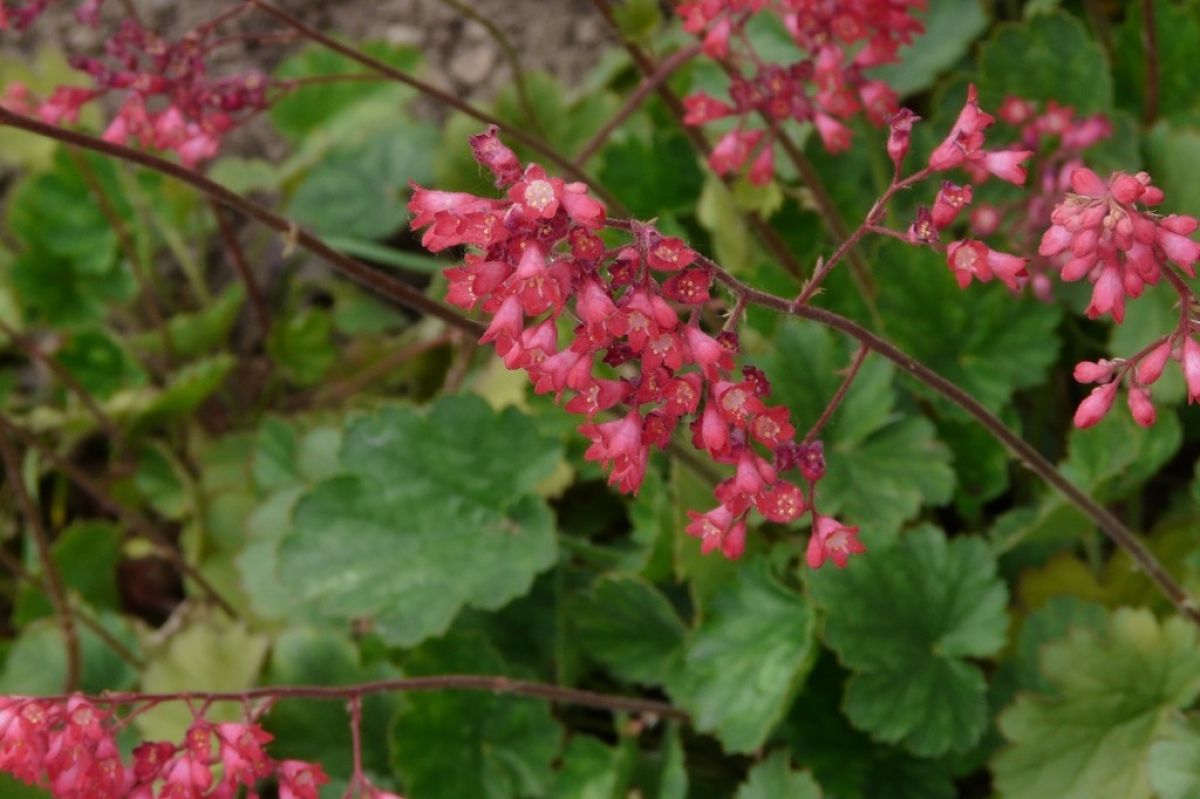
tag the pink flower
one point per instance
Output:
(1096, 405)
(618, 445)
(832, 540)
(834, 135)
(899, 134)
(1190, 360)
(498, 158)
(300, 780)
(702, 108)
(1141, 408)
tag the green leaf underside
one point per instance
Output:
(1113, 695)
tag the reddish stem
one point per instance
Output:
(457, 682)
(665, 70)
(840, 394)
(242, 267)
(41, 539)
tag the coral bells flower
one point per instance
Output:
(535, 261)
(970, 260)
(300, 780)
(963, 146)
(1098, 232)
(826, 87)
(832, 540)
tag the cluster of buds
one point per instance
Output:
(963, 148)
(1100, 233)
(539, 269)
(1058, 138)
(22, 14)
(828, 86)
(168, 100)
(68, 747)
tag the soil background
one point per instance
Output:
(563, 37)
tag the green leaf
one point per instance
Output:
(450, 745)
(1173, 157)
(773, 778)
(626, 624)
(880, 468)
(1175, 762)
(1177, 30)
(357, 190)
(653, 175)
(87, 552)
(590, 770)
(950, 28)
(309, 108)
(981, 338)
(37, 660)
(1050, 57)
(718, 213)
(1052, 622)
(56, 212)
(99, 363)
(423, 496)
(201, 332)
(638, 19)
(746, 660)
(209, 653)
(1114, 694)
(52, 289)
(846, 763)
(905, 618)
(188, 387)
(302, 345)
(318, 731)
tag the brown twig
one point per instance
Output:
(132, 519)
(840, 394)
(242, 267)
(498, 685)
(61, 373)
(1150, 62)
(82, 616)
(41, 539)
(444, 97)
(666, 68)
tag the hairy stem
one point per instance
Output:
(242, 267)
(840, 394)
(81, 615)
(1150, 62)
(498, 685)
(1033, 460)
(41, 539)
(665, 70)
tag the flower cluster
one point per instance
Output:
(1058, 138)
(827, 86)
(1099, 232)
(168, 100)
(541, 271)
(69, 748)
(22, 14)
(963, 148)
